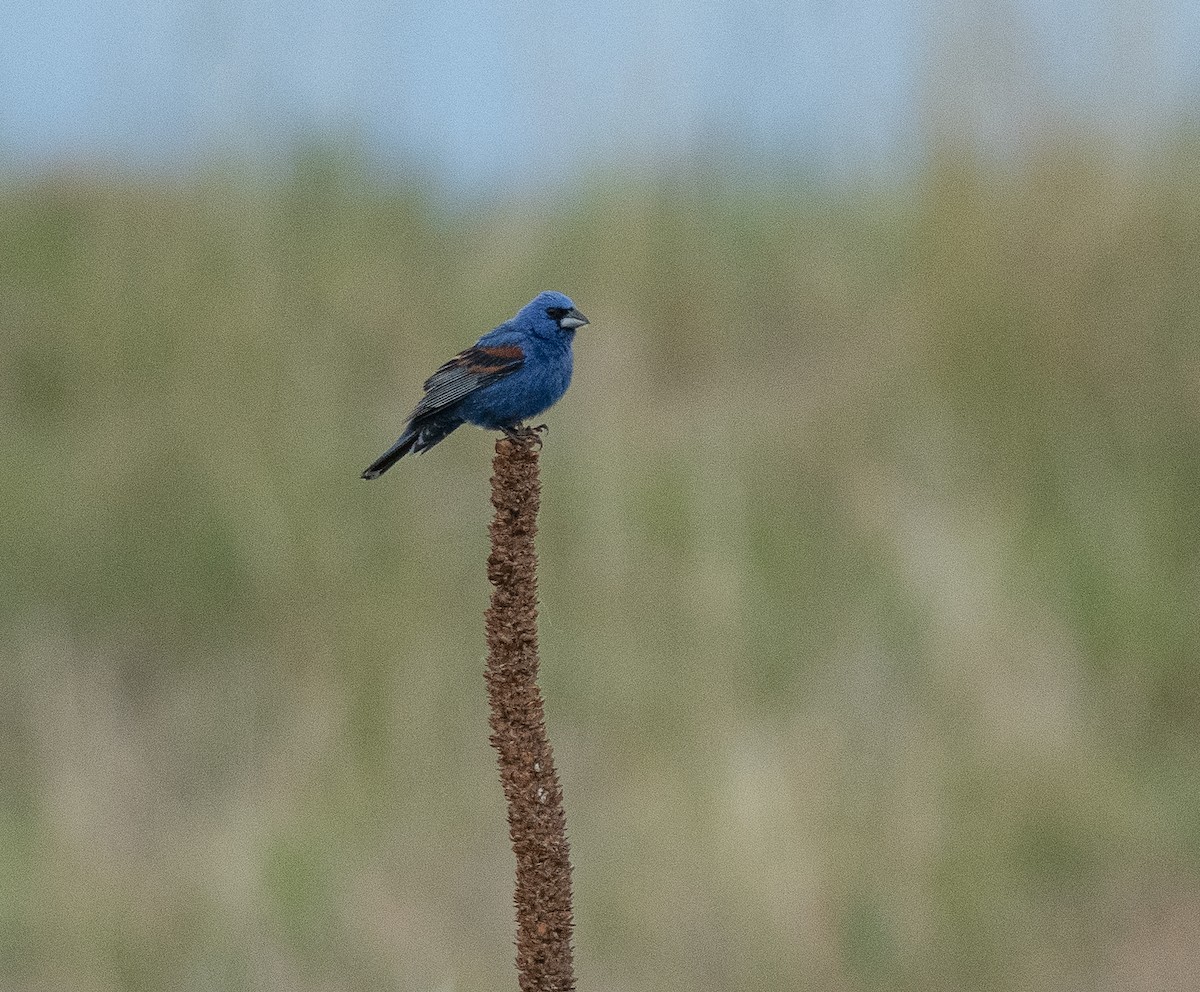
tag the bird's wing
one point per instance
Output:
(478, 366)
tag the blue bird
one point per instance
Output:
(512, 373)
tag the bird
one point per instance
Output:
(514, 372)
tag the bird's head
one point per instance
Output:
(553, 311)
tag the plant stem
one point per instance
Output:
(536, 821)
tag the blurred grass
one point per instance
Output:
(870, 582)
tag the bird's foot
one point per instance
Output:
(524, 436)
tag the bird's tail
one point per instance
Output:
(404, 444)
(415, 439)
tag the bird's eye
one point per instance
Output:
(556, 313)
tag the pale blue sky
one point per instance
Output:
(489, 94)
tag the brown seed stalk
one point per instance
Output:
(536, 821)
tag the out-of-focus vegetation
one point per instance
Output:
(869, 573)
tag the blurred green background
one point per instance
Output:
(869, 577)
(870, 536)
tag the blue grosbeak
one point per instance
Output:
(510, 374)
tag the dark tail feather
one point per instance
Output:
(393, 454)
(415, 439)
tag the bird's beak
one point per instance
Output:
(572, 320)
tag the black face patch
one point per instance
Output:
(556, 313)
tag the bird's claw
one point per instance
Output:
(526, 435)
